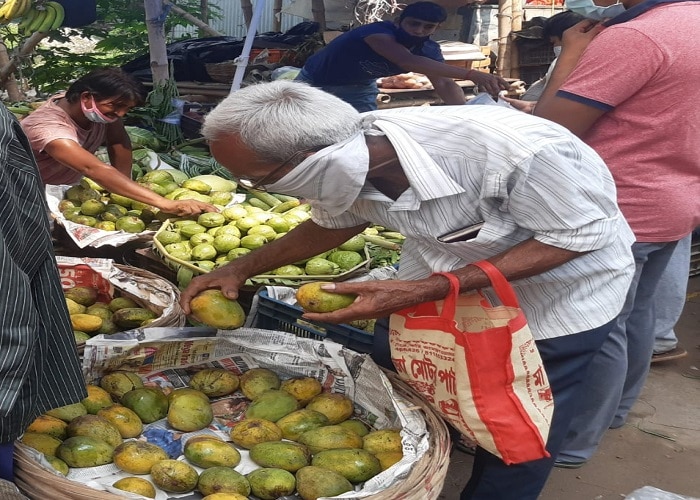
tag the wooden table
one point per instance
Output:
(400, 98)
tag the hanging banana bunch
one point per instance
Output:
(13, 9)
(33, 16)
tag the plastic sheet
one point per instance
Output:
(651, 493)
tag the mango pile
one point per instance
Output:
(89, 204)
(214, 239)
(90, 317)
(303, 439)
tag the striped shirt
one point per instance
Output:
(524, 177)
(39, 365)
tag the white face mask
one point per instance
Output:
(95, 115)
(557, 50)
(332, 178)
(590, 10)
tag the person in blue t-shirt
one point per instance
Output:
(350, 65)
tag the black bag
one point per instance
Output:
(79, 12)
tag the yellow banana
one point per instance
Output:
(48, 19)
(37, 21)
(60, 14)
(4, 11)
(11, 9)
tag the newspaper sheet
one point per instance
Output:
(86, 236)
(167, 357)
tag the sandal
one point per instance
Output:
(675, 353)
(465, 445)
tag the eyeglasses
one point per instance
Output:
(259, 185)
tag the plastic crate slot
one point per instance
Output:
(273, 314)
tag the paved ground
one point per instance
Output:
(659, 446)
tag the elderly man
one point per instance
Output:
(546, 200)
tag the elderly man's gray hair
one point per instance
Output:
(278, 118)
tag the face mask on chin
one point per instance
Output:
(405, 38)
(95, 115)
(590, 10)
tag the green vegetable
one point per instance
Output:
(321, 267)
(346, 259)
(382, 257)
(280, 208)
(178, 175)
(283, 197)
(142, 138)
(255, 202)
(266, 198)
(216, 183)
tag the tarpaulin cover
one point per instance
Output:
(189, 56)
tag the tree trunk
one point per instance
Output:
(318, 10)
(155, 23)
(27, 48)
(204, 15)
(13, 92)
(247, 8)
(276, 16)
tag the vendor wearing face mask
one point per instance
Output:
(350, 65)
(552, 31)
(66, 131)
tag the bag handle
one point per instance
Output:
(499, 283)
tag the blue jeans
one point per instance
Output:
(6, 463)
(670, 297)
(362, 97)
(619, 370)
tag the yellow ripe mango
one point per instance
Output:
(312, 298)
(85, 322)
(45, 424)
(213, 309)
(136, 485)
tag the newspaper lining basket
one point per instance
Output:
(427, 477)
(36, 482)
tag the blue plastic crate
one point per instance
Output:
(273, 314)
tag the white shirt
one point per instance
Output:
(524, 177)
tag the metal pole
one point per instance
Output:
(241, 61)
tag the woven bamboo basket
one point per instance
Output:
(427, 477)
(424, 482)
(36, 482)
(221, 72)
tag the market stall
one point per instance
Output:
(123, 264)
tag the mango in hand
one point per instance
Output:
(312, 298)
